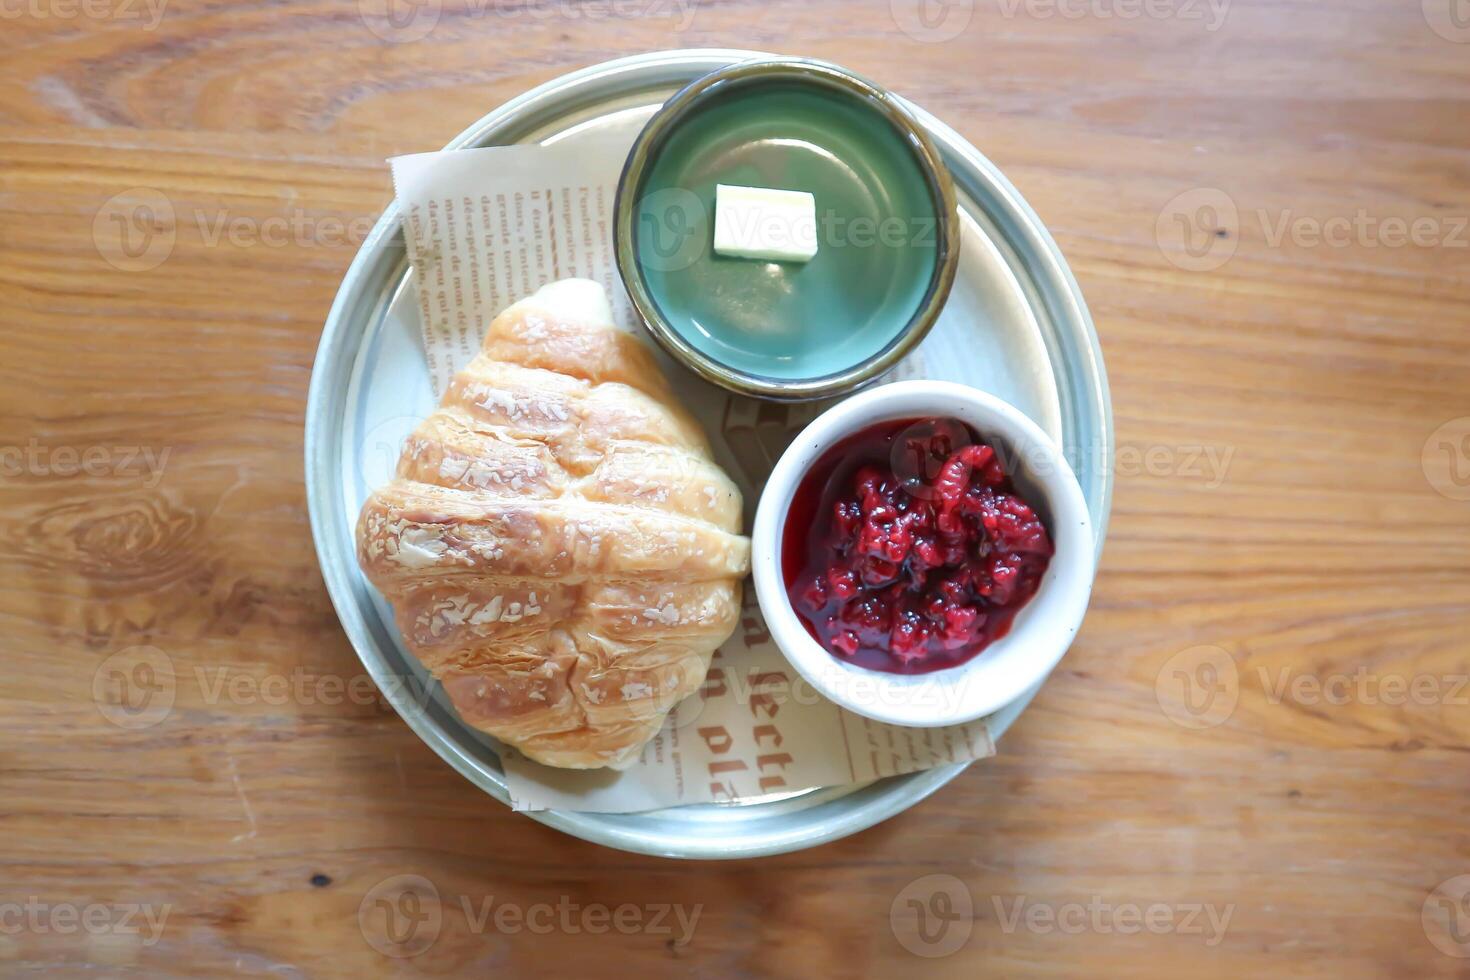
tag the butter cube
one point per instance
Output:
(761, 223)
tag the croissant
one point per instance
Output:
(559, 548)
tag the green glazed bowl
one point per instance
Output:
(888, 239)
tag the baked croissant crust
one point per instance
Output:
(559, 547)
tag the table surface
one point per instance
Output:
(1252, 762)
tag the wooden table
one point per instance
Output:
(1252, 763)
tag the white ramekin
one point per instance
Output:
(1042, 630)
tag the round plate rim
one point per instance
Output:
(862, 808)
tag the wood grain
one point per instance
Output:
(1322, 550)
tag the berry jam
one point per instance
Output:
(907, 549)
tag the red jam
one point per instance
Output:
(907, 549)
